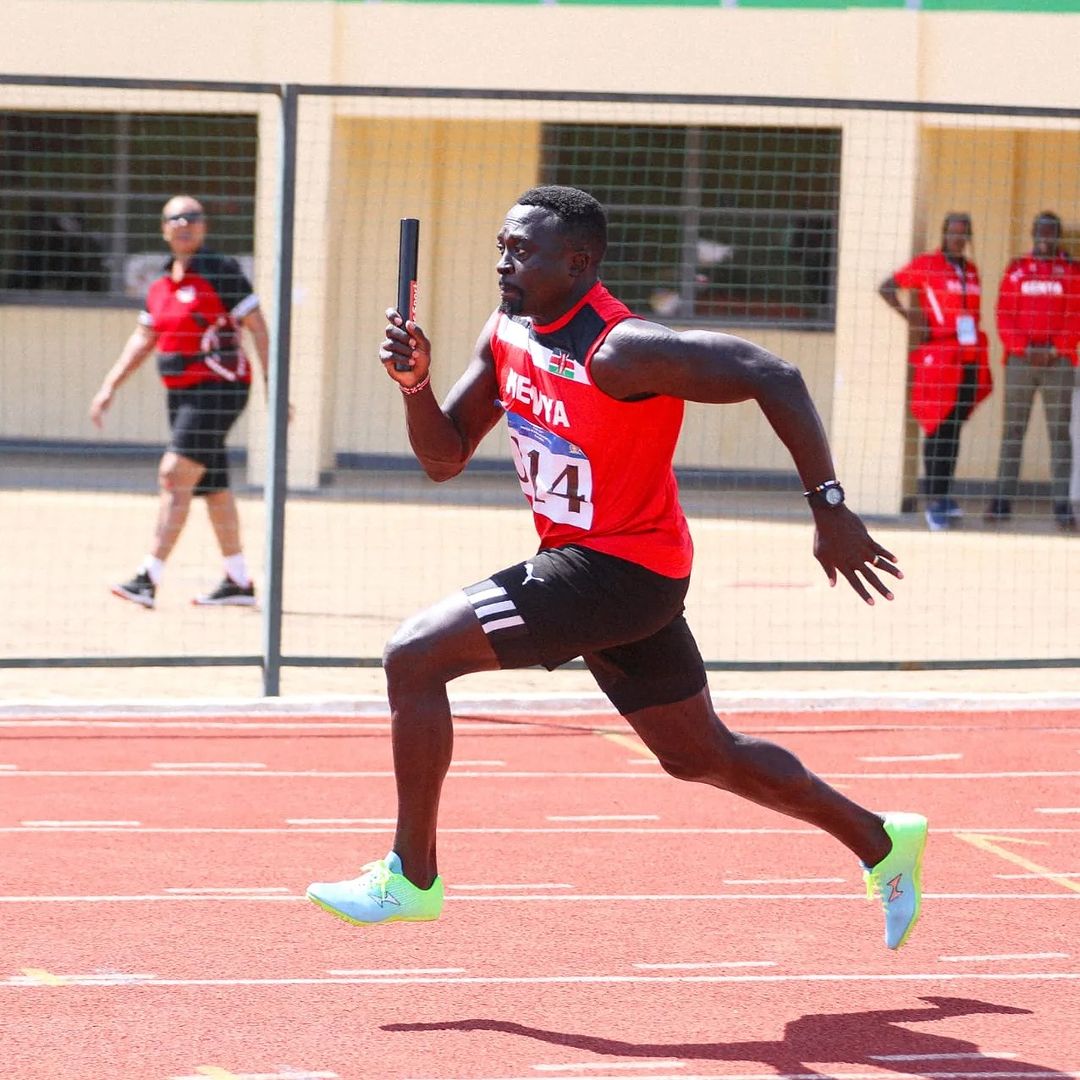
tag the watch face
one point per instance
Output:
(834, 496)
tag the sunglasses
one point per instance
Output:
(192, 217)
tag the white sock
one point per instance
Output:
(236, 569)
(153, 566)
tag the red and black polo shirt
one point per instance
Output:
(192, 318)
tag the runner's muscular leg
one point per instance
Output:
(428, 650)
(692, 743)
(177, 478)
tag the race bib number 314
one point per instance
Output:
(554, 473)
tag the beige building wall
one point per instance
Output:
(366, 162)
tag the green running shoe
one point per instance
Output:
(897, 879)
(381, 894)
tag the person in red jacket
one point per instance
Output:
(950, 360)
(1037, 320)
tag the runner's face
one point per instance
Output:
(537, 266)
(184, 234)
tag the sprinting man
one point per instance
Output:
(593, 398)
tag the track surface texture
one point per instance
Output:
(603, 920)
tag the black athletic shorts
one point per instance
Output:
(624, 621)
(199, 419)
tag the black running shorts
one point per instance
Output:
(624, 621)
(199, 419)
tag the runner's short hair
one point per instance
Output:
(957, 215)
(584, 219)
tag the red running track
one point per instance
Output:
(603, 921)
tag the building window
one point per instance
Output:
(721, 225)
(82, 196)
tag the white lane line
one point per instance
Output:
(507, 830)
(537, 885)
(707, 965)
(597, 980)
(1005, 956)
(396, 971)
(8, 767)
(603, 817)
(966, 1056)
(1041, 1074)
(882, 759)
(1057, 809)
(784, 881)
(209, 765)
(1036, 877)
(240, 769)
(32, 977)
(341, 821)
(213, 890)
(212, 1072)
(577, 898)
(89, 824)
(598, 1065)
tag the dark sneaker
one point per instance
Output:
(937, 516)
(228, 594)
(139, 590)
(1065, 518)
(953, 509)
(998, 510)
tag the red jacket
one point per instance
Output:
(937, 368)
(1039, 304)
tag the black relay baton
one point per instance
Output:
(408, 251)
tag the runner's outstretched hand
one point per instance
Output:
(843, 546)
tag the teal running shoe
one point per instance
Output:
(897, 879)
(381, 894)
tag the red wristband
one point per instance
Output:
(410, 390)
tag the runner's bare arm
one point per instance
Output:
(443, 438)
(646, 358)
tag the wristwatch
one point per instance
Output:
(830, 493)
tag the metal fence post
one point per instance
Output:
(278, 393)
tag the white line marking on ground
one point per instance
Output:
(577, 898)
(508, 830)
(209, 765)
(883, 758)
(612, 1065)
(603, 817)
(89, 824)
(1006, 956)
(211, 890)
(386, 774)
(784, 881)
(1057, 809)
(395, 971)
(1036, 877)
(943, 1057)
(1041, 1074)
(341, 821)
(539, 885)
(595, 980)
(707, 965)
(9, 767)
(212, 1072)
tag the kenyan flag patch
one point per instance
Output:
(562, 364)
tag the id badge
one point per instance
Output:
(965, 330)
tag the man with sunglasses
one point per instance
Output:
(192, 320)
